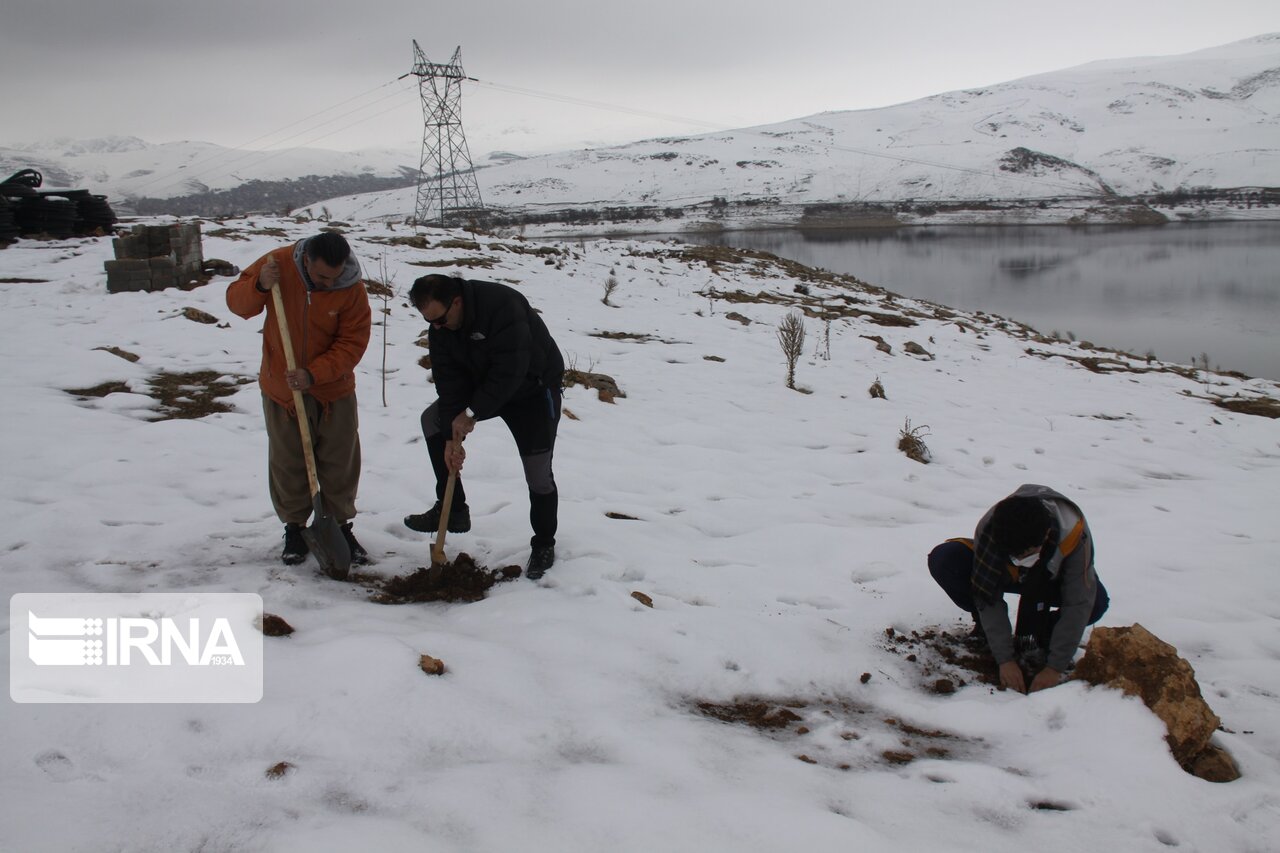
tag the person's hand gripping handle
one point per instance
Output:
(297, 378)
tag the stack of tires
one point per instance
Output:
(46, 214)
(93, 214)
(8, 228)
(13, 192)
(50, 213)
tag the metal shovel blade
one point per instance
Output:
(324, 537)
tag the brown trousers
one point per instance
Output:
(335, 433)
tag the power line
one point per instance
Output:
(210, 159)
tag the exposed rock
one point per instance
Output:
(915, 349)
(606, 388)
(275, 626)
(1215, 764)
(217, 266)
(199, 316)
(279, 770)
(642, 598)
(430, 665)
(1141, 664)
(881, 344)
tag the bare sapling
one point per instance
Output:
(383, 289)
(791, 339)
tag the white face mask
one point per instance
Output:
(1027, 561)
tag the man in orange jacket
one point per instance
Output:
(327, 309)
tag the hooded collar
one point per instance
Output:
(350, 269)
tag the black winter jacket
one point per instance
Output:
(502, 352)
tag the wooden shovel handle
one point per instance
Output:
(437, 550)
(304, 426)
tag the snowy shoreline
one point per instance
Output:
(793, 217)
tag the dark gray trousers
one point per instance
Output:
(532, 422)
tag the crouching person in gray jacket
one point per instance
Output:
(1035, 543)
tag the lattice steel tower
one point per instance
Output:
(447, 188)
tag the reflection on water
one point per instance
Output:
(1177, 290)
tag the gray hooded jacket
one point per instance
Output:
(1070, 565)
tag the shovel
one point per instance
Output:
(323, 537)
(438, 561)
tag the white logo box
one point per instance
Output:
(135, 647)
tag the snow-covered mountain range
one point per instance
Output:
(1203, 120)
(1208, 119)
(127, 169)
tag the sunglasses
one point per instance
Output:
(440, 321)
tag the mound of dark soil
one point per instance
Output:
(460, 580)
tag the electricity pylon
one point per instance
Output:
(447, 188)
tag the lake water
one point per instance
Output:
(1178, 290)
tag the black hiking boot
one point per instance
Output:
(429, 521)
(359, 556)
(542, 558)
(295, 547)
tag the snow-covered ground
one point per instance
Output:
(778, 534)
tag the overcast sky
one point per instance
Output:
(272, 73)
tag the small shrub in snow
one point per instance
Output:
(911, 443)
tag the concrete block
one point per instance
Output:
(127, 265)
(115, 285)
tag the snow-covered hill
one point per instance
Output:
(127, 168)
(1122, 127)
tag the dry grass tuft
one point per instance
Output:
(910, 442)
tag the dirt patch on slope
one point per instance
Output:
(946, 660)
(838, 732)
(180, 395)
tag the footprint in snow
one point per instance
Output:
(58, 766)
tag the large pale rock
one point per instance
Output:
(1141, 664)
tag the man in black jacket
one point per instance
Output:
(491, 356)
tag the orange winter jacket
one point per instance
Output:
(329, 329)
